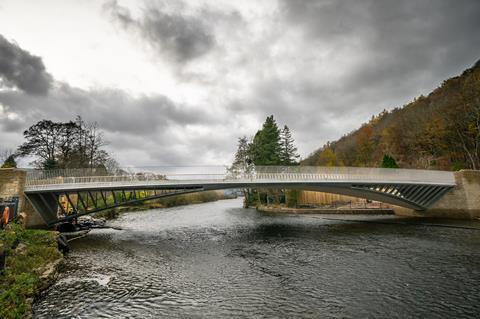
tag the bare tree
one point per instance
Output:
(5, 153)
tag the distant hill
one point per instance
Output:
(439, 131)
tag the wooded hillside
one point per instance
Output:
(439, 131)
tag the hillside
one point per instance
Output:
(439, 131)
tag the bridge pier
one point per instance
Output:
(462, 202)
(12, 184)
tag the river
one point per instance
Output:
(220, 260)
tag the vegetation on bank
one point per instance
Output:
(270, 146)
(179, 200)
(30, 255)
(439, 131)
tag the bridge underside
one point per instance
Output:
(72, 203)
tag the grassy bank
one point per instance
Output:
(186, 199)
(31, 261)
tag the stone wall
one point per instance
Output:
(12, 183)
(462, 202)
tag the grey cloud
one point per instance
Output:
(322, 67)
(382, 53)
(149, 125)
(20, 69)
(399, 40)
(113, 109)
(183, 38)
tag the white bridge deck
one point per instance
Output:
(93, 190)
(59, 180)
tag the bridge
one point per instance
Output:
(87, 191)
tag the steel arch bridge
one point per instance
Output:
(61, 195)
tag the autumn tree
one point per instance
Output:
(438, 131)
(463, 120)
(327, 157)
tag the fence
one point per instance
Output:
(221, 173)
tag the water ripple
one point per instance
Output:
(218, 260)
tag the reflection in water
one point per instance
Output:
(218, 260)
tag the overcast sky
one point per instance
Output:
(176, 82)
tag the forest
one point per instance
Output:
(438, 131)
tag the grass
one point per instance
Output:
(21, 279)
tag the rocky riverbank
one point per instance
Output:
(29, 264)
(346, 211)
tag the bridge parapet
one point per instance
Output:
(38, 180)
(72, 193)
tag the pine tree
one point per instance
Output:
(288, 152)
(241, 163)
(266, 149)
(389, 162)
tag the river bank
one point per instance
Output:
(180, 200)
(29, 267)
(321, 210)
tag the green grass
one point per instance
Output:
(20, 280)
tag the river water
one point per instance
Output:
(220, 260)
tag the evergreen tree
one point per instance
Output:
(288, 151)
(266, 148)
(389, 162)
(10, 162)
(241, 163)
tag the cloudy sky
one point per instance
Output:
(176, 82)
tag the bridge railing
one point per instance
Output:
(353, 174)
(38, 179)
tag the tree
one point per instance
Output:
(89, 141)
(269, 146)
(265, 148)
(5, 153)
(389, 162)
(441, 130)
(463, 119)
(10, 162)
(241, 163)
(43, 140)
(288, 151)
(64, 145)
(327, 157)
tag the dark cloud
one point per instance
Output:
(354, 58)
(183, 38)
(321, 66)
(393, 40)
(20, 69)
(153, 126)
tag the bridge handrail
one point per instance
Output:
(42, 179)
